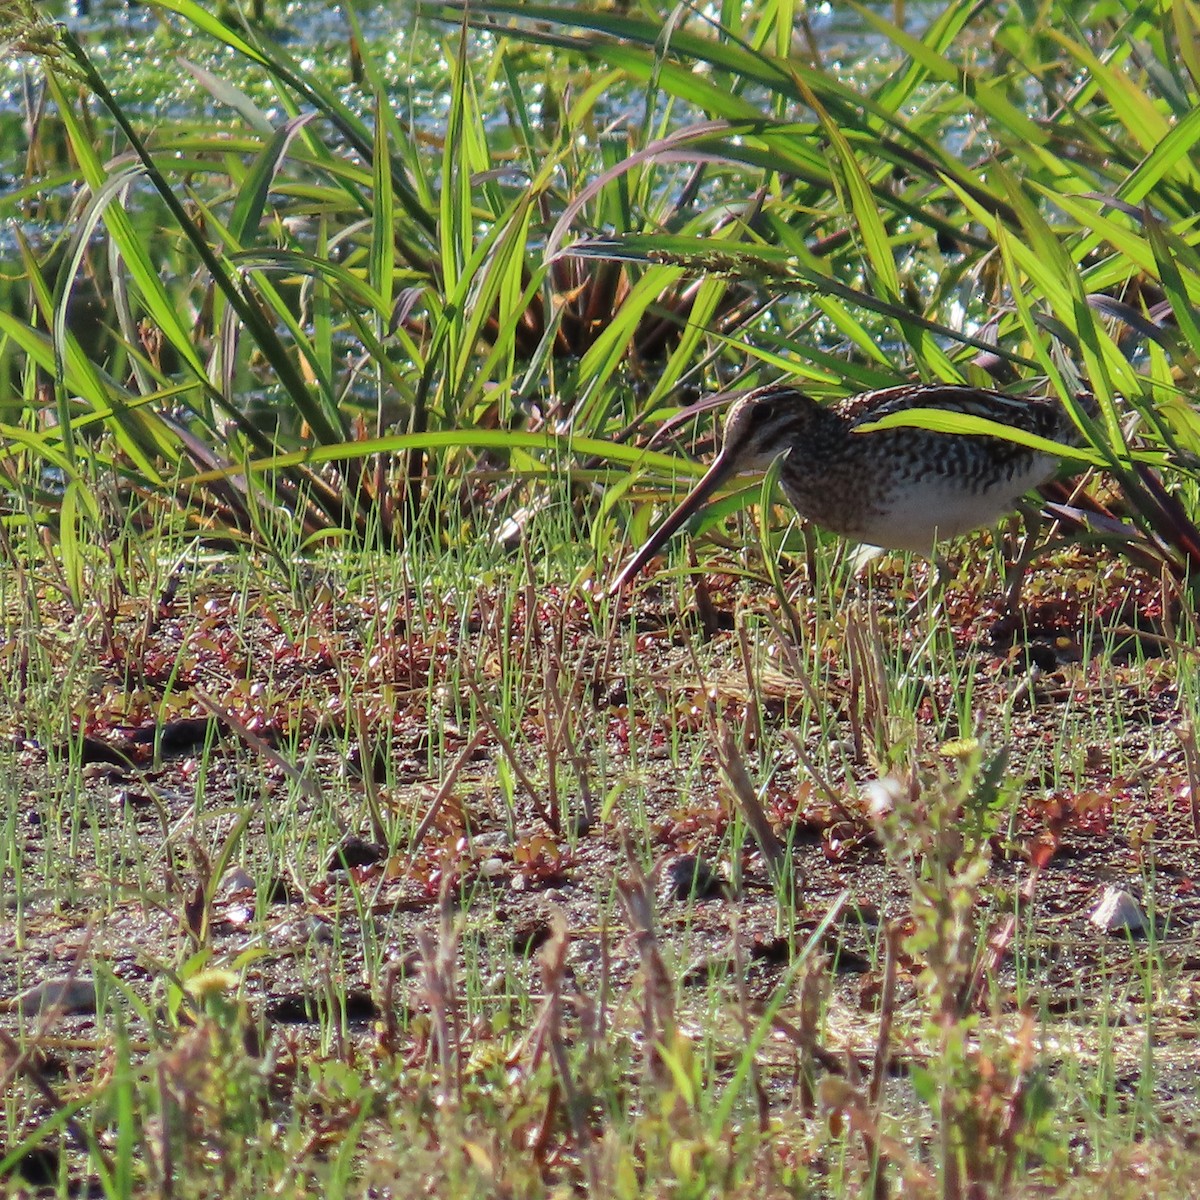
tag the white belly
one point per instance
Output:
(914, 518)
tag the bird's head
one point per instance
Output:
(760, 427)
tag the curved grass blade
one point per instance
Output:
(940, 421)
(457, 439)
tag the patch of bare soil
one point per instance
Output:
(247, 768)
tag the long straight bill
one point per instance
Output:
(721, 468)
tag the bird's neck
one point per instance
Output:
(816, 431)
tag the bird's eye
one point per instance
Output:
(766, 412)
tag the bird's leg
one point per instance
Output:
(862, 559)
(810, 554)
(943, 572)
(929, 600)
(1014, 576)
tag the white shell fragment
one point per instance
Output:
(1119, 912)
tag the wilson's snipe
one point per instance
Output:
(901, 489)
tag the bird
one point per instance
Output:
(900, 488)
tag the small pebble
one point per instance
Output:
(235, 881)
(71, 995)
(1119, 912)
(690, 876)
